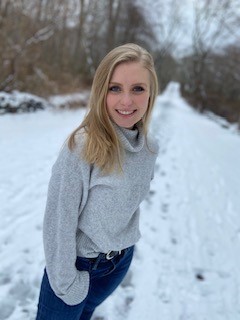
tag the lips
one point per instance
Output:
(125, 112)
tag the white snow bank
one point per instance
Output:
(20, 102)
(66, 100)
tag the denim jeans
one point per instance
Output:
(105, 276)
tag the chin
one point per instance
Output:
(126, 126)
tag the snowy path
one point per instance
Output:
(191, 226)
(186, 265)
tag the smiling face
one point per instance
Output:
(128, 94)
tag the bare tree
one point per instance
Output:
(19, 34)
(114, 10)
(211, 19)
(166, 19)
(57, 41)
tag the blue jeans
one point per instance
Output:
(105, 276)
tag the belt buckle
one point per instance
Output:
(111, 254)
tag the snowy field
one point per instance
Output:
(186, 265)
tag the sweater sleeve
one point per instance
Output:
(59, 229)
(154, 147)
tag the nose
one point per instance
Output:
(126, 99)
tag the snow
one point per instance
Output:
(20, 101)
(186, 265)
(68, 99)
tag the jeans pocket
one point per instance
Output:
(83, 264)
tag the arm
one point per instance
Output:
(59, 229)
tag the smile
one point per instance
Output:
(124, 112)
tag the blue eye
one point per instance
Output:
(138, 89)
(114, 89)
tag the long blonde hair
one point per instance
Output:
(102, 146)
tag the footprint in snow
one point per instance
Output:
(7, 307)
(163, 173)
(127, 281)
(148, 199)
(22, 292)
(21, 295)
(5, 278)
(164, 207)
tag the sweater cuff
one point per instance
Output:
(78, 290)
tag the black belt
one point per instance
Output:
(107, 256)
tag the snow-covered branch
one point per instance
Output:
(41, 35)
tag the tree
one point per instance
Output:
(19, 37)
(211, 25)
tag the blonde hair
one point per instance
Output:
(102, 146)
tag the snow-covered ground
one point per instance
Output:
(186, 265)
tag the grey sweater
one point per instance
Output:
(88, 212)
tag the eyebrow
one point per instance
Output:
(135, 84)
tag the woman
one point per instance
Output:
(98, 182)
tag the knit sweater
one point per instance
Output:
(88, 212)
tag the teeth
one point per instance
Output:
(125, 112)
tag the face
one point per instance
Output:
(128, 94)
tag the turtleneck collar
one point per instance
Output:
(131, 139)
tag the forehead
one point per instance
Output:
(130, 71)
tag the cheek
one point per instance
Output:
(143, 101)
(110, 102)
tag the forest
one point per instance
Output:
(52, 47)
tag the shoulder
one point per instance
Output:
(72, 156)
(79, 142)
